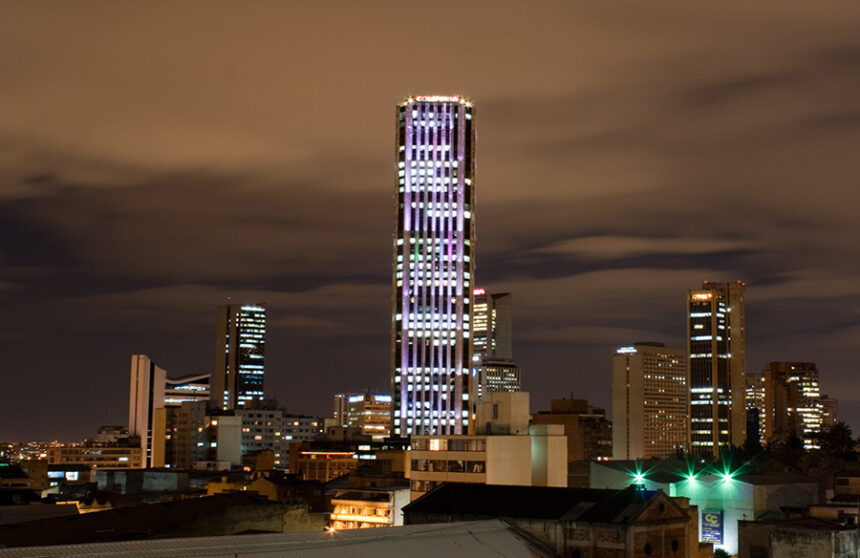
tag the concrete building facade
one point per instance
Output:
(649, 401)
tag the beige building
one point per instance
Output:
(362, 508)
(111, 456)
(536, 459)
(649, 401)
(589, 433)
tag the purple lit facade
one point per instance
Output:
(434, 256)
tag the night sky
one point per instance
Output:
(156, 158)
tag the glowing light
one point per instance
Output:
(438, 98)
(625, 350)
(702, 296)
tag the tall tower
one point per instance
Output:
(716, 351)
(787, 399)
(649, 401)
(146, 393)
(434, 265)
(240, 349)
(492, 344)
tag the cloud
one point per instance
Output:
(624, 246)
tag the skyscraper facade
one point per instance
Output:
(240, 349)
(716, 350)
(787, 399)
(492, 346)
(434, 244)
(649, 401)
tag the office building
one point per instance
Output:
(240, 351)
(492, 352)
(649, 401)
(716, 351)
(194, 387)
(493, 337)
(146, 393)
(434, 266)
(588, 431)
(370, 412)
(829, 412)
(150, 390)
(786, 397)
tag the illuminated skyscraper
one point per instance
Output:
(434, 245)
(787, 399)
(649, 401)
(716, 351)
(240, 349)
(492, 346)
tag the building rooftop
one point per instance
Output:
(479, 539)
(533, 502)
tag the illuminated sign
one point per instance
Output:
(626, 350)
(437, 98)
(712, 526)
(479, 292)
(356, 398)
(702, 296)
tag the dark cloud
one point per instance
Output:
(153, 164)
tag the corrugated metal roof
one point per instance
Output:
(475, 539)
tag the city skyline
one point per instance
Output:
(143, 182)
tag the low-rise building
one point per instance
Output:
(112, 456)
(538, 458)
(573, 521)
(361, 508)
(723, 497)
(589, 433)
(797, 538)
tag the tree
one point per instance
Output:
(838, 441)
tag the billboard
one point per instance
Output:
(712, 526)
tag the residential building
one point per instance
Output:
(589, 433)
(434, 243)
(716, 351)
(240, 352)
(649, 401)
(787, 399)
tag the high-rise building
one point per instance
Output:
(716, 354)
(787, 399)
(240, 349)
(492, 347)
(829, 412)
(146, 393)
(370, 412)
(492, 325)
(649, 401)
(434, 265)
